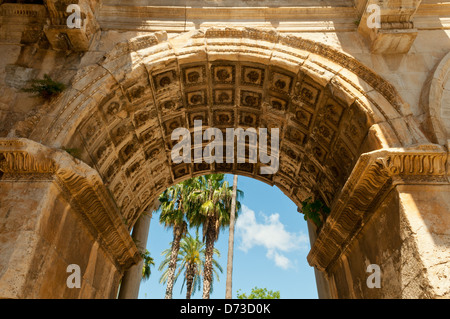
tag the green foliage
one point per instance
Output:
(148, 263)
(45, 88)
(316, 211)
(175, 205)
(259, 293)
(213, 196)
(200, 202)
(191, 257)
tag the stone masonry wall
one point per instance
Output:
(41, 236)
(406, 237)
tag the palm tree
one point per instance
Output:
(214, 195)
(173, 215)
(228, 292)
(192, 252)
(190, 261)
(148, 262)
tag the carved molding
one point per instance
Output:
(374, 175)
(23, 12)
(176, 17)
(297, 16)
(81, 186)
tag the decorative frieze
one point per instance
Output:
(25, 12)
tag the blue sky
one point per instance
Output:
(270, 249)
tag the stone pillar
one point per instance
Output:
(323, 289)
(408, 238)
(390, 224)
(425, 237)
(22, 219)
(129, 287)
(55, 212)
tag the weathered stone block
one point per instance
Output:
(388, 25)
(63, 33)
(396, 41)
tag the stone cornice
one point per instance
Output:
(180, 19)
(373, 176)
(285, 16)
(81, 185)
(306, 16)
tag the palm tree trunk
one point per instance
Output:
(208, 266)
(173, 262)
(228, 293)
(190, 273)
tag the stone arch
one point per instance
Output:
(435, 101)
(346, 77)
(346, 135)
(120, 111)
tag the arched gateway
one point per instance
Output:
(346, 137)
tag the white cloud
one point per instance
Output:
(281, 261)
(270, 234)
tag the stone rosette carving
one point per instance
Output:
(375, 174)
(22, 159)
